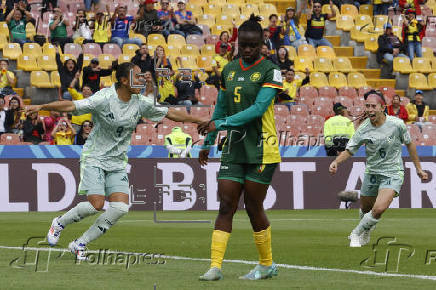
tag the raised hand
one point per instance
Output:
(203, 156)
(206, 127)
(422, 174)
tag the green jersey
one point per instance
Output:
(382, 145)
(17, 29)
(248, 113)
(114, 123)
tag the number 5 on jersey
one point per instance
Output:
(237, 93)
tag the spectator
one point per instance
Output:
(168, 19)
(82, 31)
(143, 59)
(220, 60)
(63, 133)
(48, 5)
(185, 21)
(266, 39)
(282, 59)
(77, 120)
(17, 23)
(381, 7)
(150, 87)
(412, 30)
(2, 115)
(224, 38)
(186, 89)
(389, 46)
(274, 31)
(291, 87)
(337, 131)
(316, 24)
(13, 116)
(292, 35)
(49, 124)
(7, 78)
(67, 72)
(398, 110)
(102, 28)
(147, 19)
(33, 130)
(92, 74)
(11, 4)
(164, 76)
(411, 4)
(92, 5)
(178, 143)
(265, 52)
(85, 130)
(58, 29)
(418, 110)
(120, 28)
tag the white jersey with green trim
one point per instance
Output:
(114, 123)
(383, 145)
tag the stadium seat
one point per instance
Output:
(337, 80)
(48, 49)
(92, 48)
(380, 20)
(176, 40)
(432, 119)
(322, 64)
(205, 62)
(429, 42)
(73, 48)
(301, 63)
(65, 57)
(371, 43)
(418, 81)
(206, 19)
(356, 111)
(327, 91)
(10, 139)
(172, 50)
(224, 19)
(139, 139)
(421, 65)
(106, 81)
(428, 53)
(250, 8)
(388, 92)
(356, 80)
(194, 8)
(299, 110)
(195, 39)
(205, 29)
(217, 29)
(47, 62)
(321, 111)
(429, 129)
(156, 39)
(105, 60)
(292, 52)
(432, 80)
(402, 65)
(189, 49)
(326, 51)
(12, 51)
(87, 59)
(55, 79)
(315, 120)
(240, 19)
(230, 11)
(346, 101)
(122, 58)
(405, 101)
(130, 49)
(267, 8)
(145, 129)
(32, 49)
(366, 9)
(342, 64)
(362, 20)
(349, 9)
(414, 131)
(363, 90)
(40, 79)
(348, 92)
(113, 49)
(208, 49)
(344, 22)
(27, 63)
(308, 91)
(318, 79)
(308, 101)
(212, 9)
(307, 51)
(323, 101)
(187, 62)
(4, 29)
(325, 9)
(211, 39)
(3, 41)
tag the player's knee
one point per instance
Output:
(377, 211)
(227, 207)
(97, 204)
(253, 209)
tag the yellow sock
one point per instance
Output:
(218, 247)
(262, 240)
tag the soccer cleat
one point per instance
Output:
(354, 241)
(54, 233)
(78, 249)
(261, 272)
(213, 274)
(365, 238)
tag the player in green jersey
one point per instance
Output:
(383, 137)
(115, 113)
(245, 108)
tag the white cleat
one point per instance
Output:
(54, 233)
(78, 249)
(365, 237)
(354, 241)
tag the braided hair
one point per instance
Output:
(252, 25)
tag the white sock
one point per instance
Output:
(77, 213)
(365, 224)
(361, 214)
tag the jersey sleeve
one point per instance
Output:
(91, 104)
(273, 78)
(404, 134)
(355, 142)
(151, 112)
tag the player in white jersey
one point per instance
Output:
(115, 113)
(383, 137)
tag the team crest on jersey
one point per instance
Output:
(261, 168)
(231, 76)
(255, 76)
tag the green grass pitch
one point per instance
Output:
(313, 238)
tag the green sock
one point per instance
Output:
(365, 224)
(77, 213)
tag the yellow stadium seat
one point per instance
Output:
(418, 81)
(318, 80)
(205, 62)
(398, 32)
(106, 81)
(268, 8)
(380, 20)
(105, 60)
(187, 62)
(122, 58)
(65, 57)
(173, 50)
(342, 64)
(344, 22)
(27, 62)
(421, 65)
(48, 49)
(47, 62)
(231, 10)
(30, 30)
(217, 29)
(130, 49)
(32, 49)
(432, 80)
(292, 52)
(189, 49)
(176, 40)
(371, 43)
(40, 79)
(4, 29)
(366, 9)
(337, 80)
(151, 48)
(326, 51)
(322, 64)
(87, 59)
(206, 19)
(360, 33)
(240, 19)
(250, 8)
(156, 39)
(212, 9)
(402, 65)
(3, 41)
(55, 79)
(306, 50)
(433, 64)
(194, 8)
(349, 9)
(363, 19)
(198, 2)
(11, 51)
(356, 80)
(427, 52)
(140, 36)
(208, 49)
(224, 19)
(238, 2)
(301, 63)
(326, 9)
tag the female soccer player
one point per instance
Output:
(383, 136)
(115, 113)
(245, 108)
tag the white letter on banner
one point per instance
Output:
(417, 187)
(168, 170)
(5, 204)
(42, 172)
(212, 185)
(297, 169)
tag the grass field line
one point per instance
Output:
(247, 220)
(286, 266)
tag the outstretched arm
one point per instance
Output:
(59, 106)
(179, 116)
